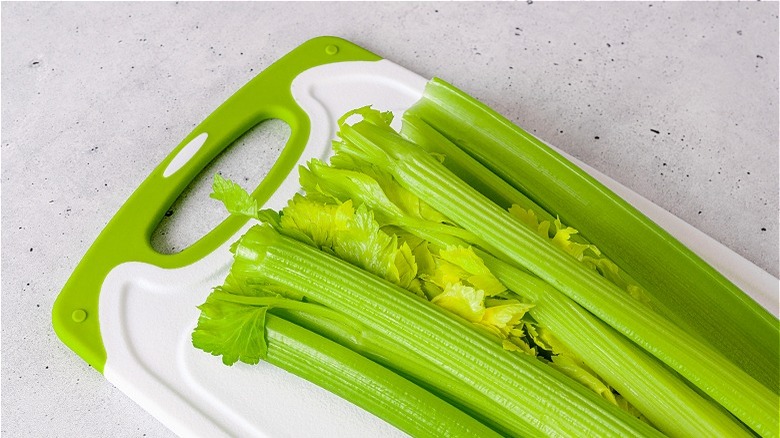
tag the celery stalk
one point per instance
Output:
(540, 400)
(365, 383)
(467, 168)
(407, 363)
(428, 179)
(494, 188)
(692, 291)
(660, 394)
(669, 403)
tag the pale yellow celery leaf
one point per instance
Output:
(354, 236)
(567, 362)
(505, 317)
(462, 300)
(518, 344)
(320, 222)
(489, 330)
(527, 217)
(517, 332)
(446, 273)
(562, 239)
(466, 258)
(363, 244)
(545, 339)
(509, 345)
(561, 236)
(487, 282)
(611, 271)
(407, 267)
(607, 269)
(386, 269)
(573, 369)
(420, 258)
(479, 275)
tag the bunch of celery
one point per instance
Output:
(456, 305)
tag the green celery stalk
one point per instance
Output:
(419, 132)
(233, 325)
(491, 185)
(693, 293)
(374, 388)
(660, 394)
(666, 400)
(404, 362)
(539, 400)
(423, 175)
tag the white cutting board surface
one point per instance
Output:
(147, 314)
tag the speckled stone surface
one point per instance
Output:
(678, 101)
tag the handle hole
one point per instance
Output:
(246, 161)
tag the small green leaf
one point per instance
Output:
(234, 331)
(236, 199)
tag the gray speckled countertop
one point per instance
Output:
(678, 101)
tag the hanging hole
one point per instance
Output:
(246, 161)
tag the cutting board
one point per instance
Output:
(129, 311)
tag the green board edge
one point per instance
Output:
(127, 236)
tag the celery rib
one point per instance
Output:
(694, 294)
(540, 399)
(492, 186)
(365, 383)
(428, 179)
(666, 400)
(414, 367)
(670, 404)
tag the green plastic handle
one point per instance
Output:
(127, 236)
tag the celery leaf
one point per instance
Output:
(477, 274)
(234, 331)
(464, 301)
(236, 199)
